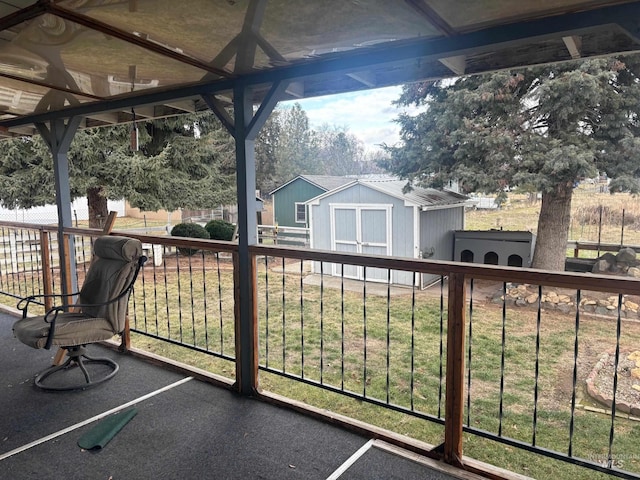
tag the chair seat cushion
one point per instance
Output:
(71, 329)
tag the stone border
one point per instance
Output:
(592, 390)
(525, 295)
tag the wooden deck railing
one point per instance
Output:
(375, 341)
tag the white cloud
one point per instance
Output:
(368, 114)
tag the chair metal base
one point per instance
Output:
(76, 357)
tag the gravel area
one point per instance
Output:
(603, 380)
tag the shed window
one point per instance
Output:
(301, 213)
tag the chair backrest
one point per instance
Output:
(113, 267)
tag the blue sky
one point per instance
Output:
(367, 114)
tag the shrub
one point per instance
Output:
(220, 230)
(191, 230)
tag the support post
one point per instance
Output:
(247, 317)
(58, 136)
(454, 401)
(245, 127)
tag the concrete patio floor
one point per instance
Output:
(184, 429)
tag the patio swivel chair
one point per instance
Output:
(98, 315)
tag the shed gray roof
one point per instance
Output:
(420, 197)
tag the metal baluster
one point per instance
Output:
(441, 346)
(615, 383)
(284, 322)
(364, 317)
(413, 340)
(204, 303)
(193, 309)
(4, 269)
(575, 375)
(53, 277)
(220, 303)
(155, 291)
(179, 295)
(342, 326)
(144, 299)
(133, 297)
(504, 341)
(166, 295)
(301, 319)
(537, 368)
(11, 256)
(388, 329)
(266, 309)
(469, 353)
(21, 251)
(321, 322)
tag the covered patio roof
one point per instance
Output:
(97, 59)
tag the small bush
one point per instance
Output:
(191, 230)
(220, 230)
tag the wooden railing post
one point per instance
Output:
(454, 401)
(246, 336)
(47, 279)
(68, 287)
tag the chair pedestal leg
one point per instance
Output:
(76, 357)
(60, 354)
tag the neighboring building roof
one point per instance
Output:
(421, 197)
(325, 182)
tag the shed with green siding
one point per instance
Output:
(289, 208)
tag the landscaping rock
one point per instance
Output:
(624, 263)
(626, 255)
(601, 266)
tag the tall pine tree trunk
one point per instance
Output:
(97, 203)
(553, 229)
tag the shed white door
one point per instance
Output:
(361, 229)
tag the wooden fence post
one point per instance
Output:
(454, 401)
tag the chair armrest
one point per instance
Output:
(23, 303)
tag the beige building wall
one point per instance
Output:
(160, 215)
